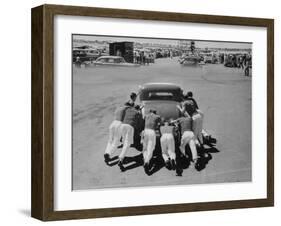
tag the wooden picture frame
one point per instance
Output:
(42, 203)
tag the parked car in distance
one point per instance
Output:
(113, 61)
(85, 53)
(190, 60)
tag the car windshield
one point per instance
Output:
(111, 60)
(102, 60)
(119, 60)
(173, 95)
(191, 59)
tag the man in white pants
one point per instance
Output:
(197, 125)
(189, 109)
(168, 145)
(187, 137)
(114, 132)
(152, 122)
(130, 121)
(197, 120)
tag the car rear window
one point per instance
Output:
(160, 95)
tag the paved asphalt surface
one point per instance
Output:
(223, 94)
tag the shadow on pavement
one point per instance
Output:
(205, 155)
(157, 162)
(212, 150)
(112, 161)
(132, 162)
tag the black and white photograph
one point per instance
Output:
(160, 112)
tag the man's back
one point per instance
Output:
(166, 129)
(131, 116)
(185, 124)
(120, 113)
(152, 121)
(189, 107)
(193, 100)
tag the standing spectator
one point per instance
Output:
(154, 56)
(146, 58)
(233, 61)
(244, 60)
(248, 65)
(135, 57)
(78, 62)
(141, 57)
(138, 57)
(222, 58)
(118, 52)
(240, 62)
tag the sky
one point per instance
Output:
(198, 44)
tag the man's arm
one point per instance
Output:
(181, 109)
(158, 122)
(175, 121)
(123, 113)
(195, 103)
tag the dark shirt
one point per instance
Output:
(132, 117)
(120, 113)
(152, 121)
(189, 107)
(130, 104)
(185, 124)
(194, 101)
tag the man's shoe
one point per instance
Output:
(173, 164)
(106, 157)
(179, 172)
(146, 168)
(182, 152)
(168, 165)
(213, 140)
(121, 166)
(193, 163)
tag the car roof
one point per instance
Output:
(160, 86)
(87, 49)
(113, 57)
